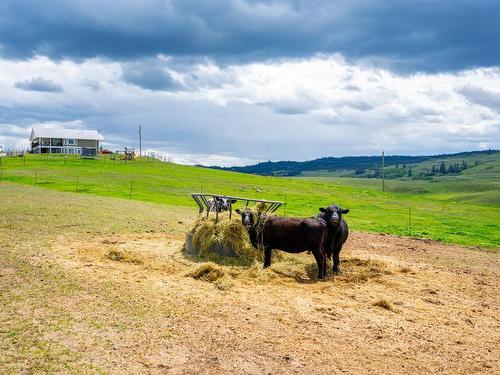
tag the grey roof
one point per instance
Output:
(93, 135)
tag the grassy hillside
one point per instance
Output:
(480, 164)
(436, 213)
(359, 166)
(478, 183)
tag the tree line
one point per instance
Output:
(442, 169)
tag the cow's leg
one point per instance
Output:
(336, 260)
(324, 263)
(267, 257)
(320, 260)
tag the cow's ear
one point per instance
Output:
(238, 211)
(346, 211)
(322, 209)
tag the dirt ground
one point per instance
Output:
(400, 306)
(115, 295)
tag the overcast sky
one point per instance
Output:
(233, 82)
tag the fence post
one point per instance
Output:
(77, 182)
(409, 217)
(285, 204)
(130, 193)
(383, 172)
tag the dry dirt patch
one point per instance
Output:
(400, 306)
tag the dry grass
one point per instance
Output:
(356, 270)
(229, 235)
(124, 256)
(207, 272)
(226, 234)
(224, 283)
(260, 207)
(383, 303)
(212, 273)
(407, 270)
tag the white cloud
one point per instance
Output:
(279, 109)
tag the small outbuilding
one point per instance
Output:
(65, 141)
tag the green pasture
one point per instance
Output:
(454, 212)
(479, 183)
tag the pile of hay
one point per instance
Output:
(212, 273)
(260, 207)
(229, 235)
(124, 256)
(207, 272)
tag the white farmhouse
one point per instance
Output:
(65, 141)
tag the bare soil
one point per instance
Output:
(400, 306)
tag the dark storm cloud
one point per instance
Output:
(359, 105)
(39, 84)
(150, 74)
(406, 35)
(478, 95)
(352, 88)
(295, 106)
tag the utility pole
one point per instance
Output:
(140, 142)
(409, 217)
(383, 172)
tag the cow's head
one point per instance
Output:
(247, 217)
(225, 202)
(332, 214)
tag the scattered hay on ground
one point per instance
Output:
(407, 270)
(257, 274)
(226, 282)
(356, 270)
(209, 271)
(124, 256)
(383, 303)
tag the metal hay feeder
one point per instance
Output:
(203, 202)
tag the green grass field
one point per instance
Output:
(461, 211)
(479, 183)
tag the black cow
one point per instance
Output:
(293, 235)
(220, 204)
(338, 232)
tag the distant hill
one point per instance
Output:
(355, 166)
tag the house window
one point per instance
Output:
(71, 142)
(71, 150)
(58, 142)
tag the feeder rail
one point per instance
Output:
(203, 202)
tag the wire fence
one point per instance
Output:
(162, 182)
(138, 184)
